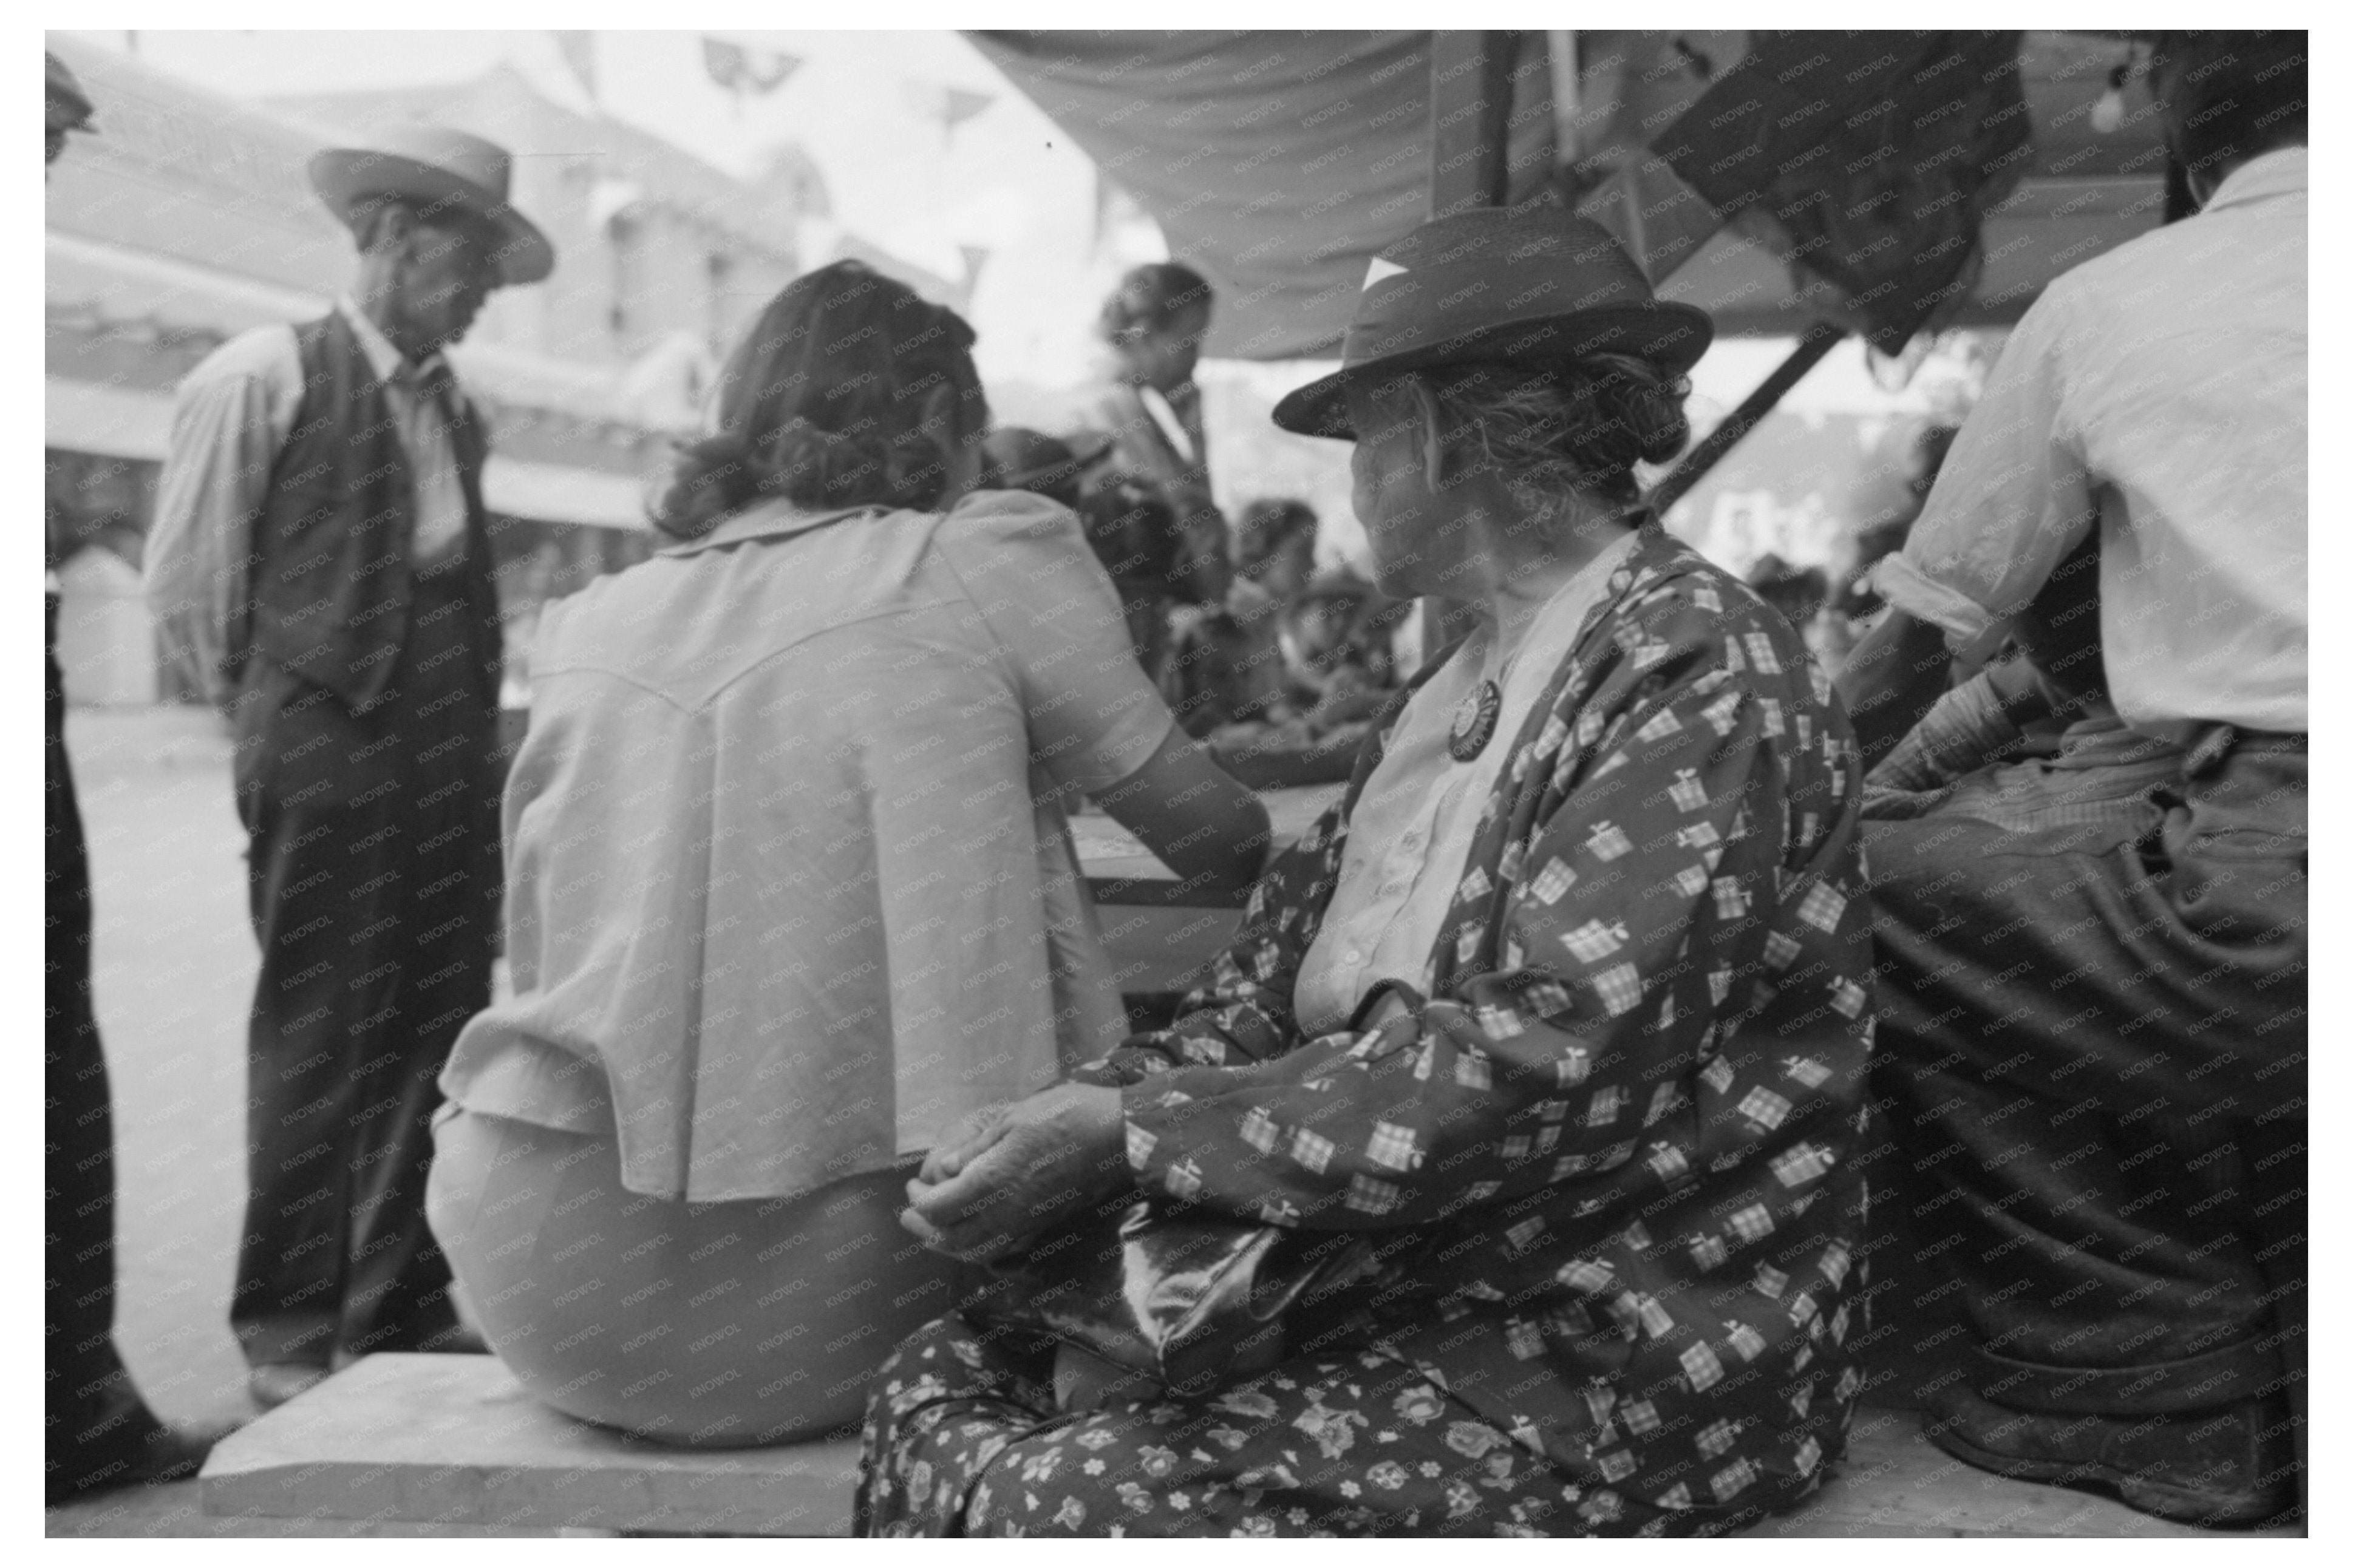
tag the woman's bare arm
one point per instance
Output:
(1208, 829)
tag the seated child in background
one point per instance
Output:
(1295, 657)
(1337, 648)
(1226, 663)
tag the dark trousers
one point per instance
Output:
(92, 1414)
(2091, 1062)
(373, 873)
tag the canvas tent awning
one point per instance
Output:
(1280, 163)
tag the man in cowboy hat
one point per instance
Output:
(100, 1433)
(320, 553)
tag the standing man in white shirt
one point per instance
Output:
(2092, 966)
(321, 552)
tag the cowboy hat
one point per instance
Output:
(445, 171)
(1531, 285)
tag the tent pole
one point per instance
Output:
(1818, 341)
(1567, 129)
(1469, 119)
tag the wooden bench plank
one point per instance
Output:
(453, 1439)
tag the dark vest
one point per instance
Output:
(331, 585)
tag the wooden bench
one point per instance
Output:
(453, 1440)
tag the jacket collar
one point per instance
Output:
(2276, 173)
(768, 520)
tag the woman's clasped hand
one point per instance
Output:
(1004, 1175)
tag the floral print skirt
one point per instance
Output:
(962, 1438)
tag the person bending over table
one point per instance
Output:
(1157, 477)
(791, 890)
(1567, 999)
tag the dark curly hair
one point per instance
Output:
(1152, 299)
(1580, 426)
(2226, 97)
(823, 405)
(1265, 527)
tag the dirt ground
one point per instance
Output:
(175, 967)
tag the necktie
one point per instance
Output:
(438, 387)
(441, 525)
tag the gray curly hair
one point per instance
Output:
(1580, 426)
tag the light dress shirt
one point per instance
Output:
(1163, 414)
(789, 884)
(2159, 393)
(1413, 825)
(232, 414)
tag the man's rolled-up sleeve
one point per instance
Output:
(227, 424)
(2012, 499)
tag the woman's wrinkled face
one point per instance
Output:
(1401, 514)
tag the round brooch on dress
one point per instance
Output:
(1474, 721)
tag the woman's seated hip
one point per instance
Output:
(722, 1324)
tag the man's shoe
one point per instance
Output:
(162, 1453)
(2233, 1465)
(272, 1383)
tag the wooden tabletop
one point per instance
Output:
(1121, 870)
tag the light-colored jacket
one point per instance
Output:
(789, 883)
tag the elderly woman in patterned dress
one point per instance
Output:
(1567, 1001)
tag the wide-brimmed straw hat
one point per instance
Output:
(445, 171)
(1533, 285)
